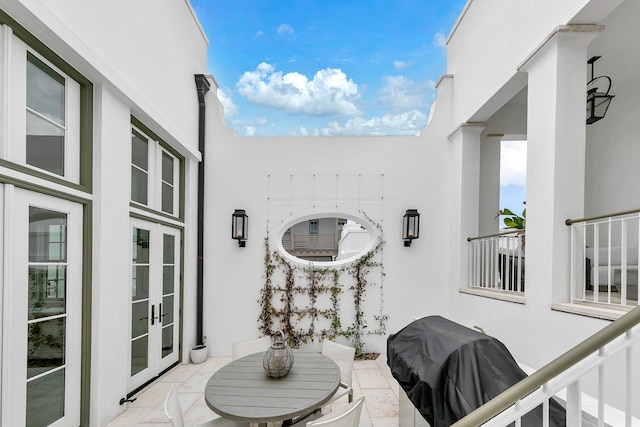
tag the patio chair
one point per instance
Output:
(244, 348)
(174, 413)
(347, 416)
(343, 356)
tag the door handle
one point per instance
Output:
(161, 315)
(153, 314)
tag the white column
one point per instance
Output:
(465, 197)
(556, 131)
(489, 196)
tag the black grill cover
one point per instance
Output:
(448, 370)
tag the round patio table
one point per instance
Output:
(242, 391)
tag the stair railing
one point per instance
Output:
(565, 372)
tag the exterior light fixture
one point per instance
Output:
(410, 226)
(239, 226)
(598, 100)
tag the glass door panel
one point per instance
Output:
(42, 340)
(140, 301)
(168, 290)
(47, 315)
(155, 282)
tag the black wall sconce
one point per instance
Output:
(239, 226)
(410, 226)
(597, 100)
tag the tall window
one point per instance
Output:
(45, 116)
(139, 167)
(154, 174)
(168, 188)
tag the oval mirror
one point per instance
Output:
(326, 240)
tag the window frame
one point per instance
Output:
(78, 158)
(314, 227)
(156, 150)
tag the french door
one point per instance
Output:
(155, 300)
(42, 309)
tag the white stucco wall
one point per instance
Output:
(612, 154)
(110, 287)
(381, 176)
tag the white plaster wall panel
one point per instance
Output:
(111, 261)
(236, 274)
(612, 155)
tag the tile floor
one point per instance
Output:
(371, 378)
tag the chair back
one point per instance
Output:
(343, 356)
(346, 416)
(245, 348)
(172, 408)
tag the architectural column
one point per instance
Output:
(556, 132)
(465, 193)
(489, 192)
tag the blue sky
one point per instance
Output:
(328, 67)
(336, 67)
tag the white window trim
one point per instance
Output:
(13, 83)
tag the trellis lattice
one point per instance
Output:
(309, 302)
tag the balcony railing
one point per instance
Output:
(496, 261)
(313, 242)
(604, 258)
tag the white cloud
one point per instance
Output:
(250, 131)
(513, 163)
(285, 29)
(257, 34)
(401, 94)
(406, 123)
(328, 93)
(230, 108)
(440, 39)
(401, 65)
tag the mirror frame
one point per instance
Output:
(374, 234)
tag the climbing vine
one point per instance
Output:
(299, 292)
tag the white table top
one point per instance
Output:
(242, 391)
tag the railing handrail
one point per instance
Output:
(503, 233)
(536, 380)
(593, 218)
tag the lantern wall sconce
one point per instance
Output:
(598, 100)
(410, 226)
(239, 226)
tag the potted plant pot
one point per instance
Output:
(199, 354)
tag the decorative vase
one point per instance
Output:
(278, 359)
(199, 354)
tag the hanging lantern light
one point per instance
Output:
(598, 100)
